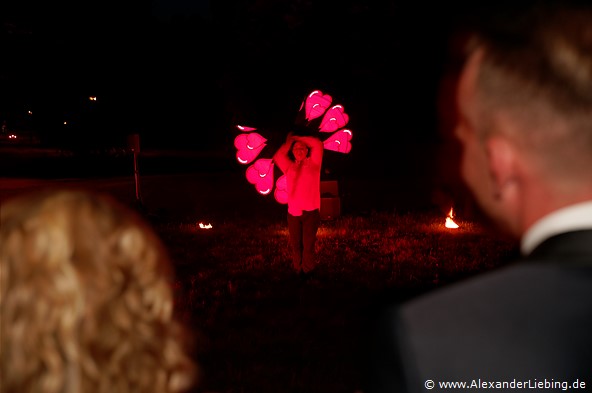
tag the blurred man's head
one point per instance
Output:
(525, 115)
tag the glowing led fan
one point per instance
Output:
(250, 144)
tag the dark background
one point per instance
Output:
(183, 74)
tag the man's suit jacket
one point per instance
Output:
(530, 321)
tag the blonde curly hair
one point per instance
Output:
(86, 301)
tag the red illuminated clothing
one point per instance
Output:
(303, 177)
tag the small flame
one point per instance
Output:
(449, 221)
(205, 226)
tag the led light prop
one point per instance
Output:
(260, 174)
(281, 190)
(334, 119)
(339, 141)
(250, 144)
(449, 220)
(245, 128)
(316, 104)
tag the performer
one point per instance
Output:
(300, 158)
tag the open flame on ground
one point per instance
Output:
(205, 226)
(449, 220)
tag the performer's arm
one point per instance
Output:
(316, 148)
(280, 157)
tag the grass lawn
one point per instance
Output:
(260, 329)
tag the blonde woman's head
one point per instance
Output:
(85, 299)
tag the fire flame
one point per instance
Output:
(205, 226)
(449, 221)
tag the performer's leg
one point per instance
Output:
(295, 230)
(311, 221)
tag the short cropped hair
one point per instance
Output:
(86, 301)
(537, 66)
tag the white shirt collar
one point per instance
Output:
(570, 218)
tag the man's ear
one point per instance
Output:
(502, 159)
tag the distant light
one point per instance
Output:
(65, 122)
(11, 136)
(92, 98)
(205, 226)
(29, 112)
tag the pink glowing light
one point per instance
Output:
(281, 190)
(260, 174)
(248, 147)
(316, 104)
(250, 144)
(245, 128)
(334, 119)
(339, 141)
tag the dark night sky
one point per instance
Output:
(183, 73)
